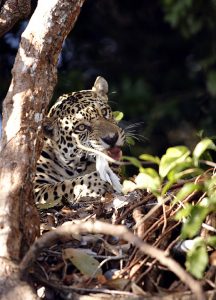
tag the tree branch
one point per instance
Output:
(68, 229)
(11, 12)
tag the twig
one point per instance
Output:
(208, 163)
(145, 259)
(208, 227)
(105, 261)
(108, 158)
(156, 224)
(158, 205)
(131, 207)
(88, 149)
(153, 262)
(165, 218)
(43, 270)
(96, 227)
(78, 289)
(137, 215)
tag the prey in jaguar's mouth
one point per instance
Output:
(106, 171)
(115, 153)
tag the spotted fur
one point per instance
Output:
(63, 169)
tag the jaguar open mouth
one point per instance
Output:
(115, 153)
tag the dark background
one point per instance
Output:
(159, 58)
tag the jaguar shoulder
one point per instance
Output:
(66, 170)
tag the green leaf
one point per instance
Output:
(147, 157)
(148, 179)
(85, 263)
(211, 241)
(201, 147)
(167, 186)
(130, 140)
(133, 160)
(118, 115)
(197, 260)
(193, 223)
(173, 157)
(211, 82)
(184, 212)
(210, 187)
(191, 172)
(212, 200)
(186, 190)
(181, 170)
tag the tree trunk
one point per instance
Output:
(34, 77)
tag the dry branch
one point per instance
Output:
(68, 229)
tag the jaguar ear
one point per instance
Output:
(101, 87)
(48, 127)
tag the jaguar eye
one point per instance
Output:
(81, 127)
(104, 112)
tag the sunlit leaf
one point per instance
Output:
(148, 179)
(197, 260)
(212, 199)
(173, 157)
(210, 184)
(201, 147)
(85, 263)
(147, 157)
(133, 160)
(193, 223)
(128, 186)
(118, 115)
(211, 193)
(186, 190)
(184, 212)
(181, 170)
(210, 187)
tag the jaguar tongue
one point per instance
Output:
(115, 153)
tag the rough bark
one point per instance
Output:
(11, 12)
(34, 77)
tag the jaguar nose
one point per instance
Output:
(110, 139)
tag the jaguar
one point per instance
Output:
(82, 145)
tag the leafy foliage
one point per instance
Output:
(180, 163)
(197, 259)
(174, 157)
(118, 115)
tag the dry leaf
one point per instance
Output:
(137, 290)
(85, 263)
(118, 283)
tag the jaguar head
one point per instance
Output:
(84, 118)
